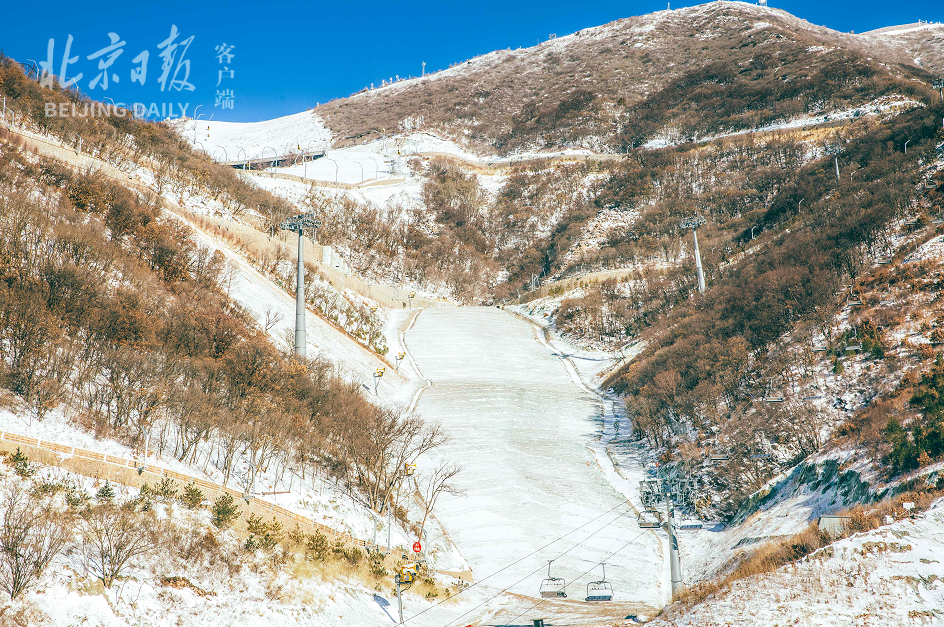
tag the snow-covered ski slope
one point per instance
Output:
(522, 431)
(257, 294)
(232, 141)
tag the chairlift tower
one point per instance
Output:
(939, 86)
(693, 223)
(651, 492)
(298, 224)
(834, 150)
(675, 564)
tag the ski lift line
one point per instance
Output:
(538, 550)
(512, 621)
(540, 568)
(504, 590)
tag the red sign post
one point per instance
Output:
(417, 547)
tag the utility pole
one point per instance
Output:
(389, 524)
(405, 579)
(424, 70)
(147, 442)
(693, 223)
(399, 599)
(195, 118)
(298, 224)
(378, 373)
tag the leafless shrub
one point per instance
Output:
(31, 535)
(112, 537)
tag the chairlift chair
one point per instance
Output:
(646, 523)
(552, 587)
(647, 499)
(600, 590)
(771, 396)
(813, 392)
(718, 457)
(855, 338)
(853, 300)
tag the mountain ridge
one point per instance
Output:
(595, 76)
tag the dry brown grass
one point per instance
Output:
(523, 98)
(775, 554)
(10, 138)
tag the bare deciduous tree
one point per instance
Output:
(272, 318)
(433, 485)
(31, 535)
(111, 538)
(379, 444)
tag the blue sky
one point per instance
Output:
(287, 56)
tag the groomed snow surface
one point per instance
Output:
(522, 429)
(232, 141)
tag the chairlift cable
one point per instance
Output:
(538, 550)
(577, 577)
(504, 590)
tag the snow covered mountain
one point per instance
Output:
(572, 90)
(790, 404)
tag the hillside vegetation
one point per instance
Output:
(811, 361)
(700, 102)
(714, 68)
(110, 309)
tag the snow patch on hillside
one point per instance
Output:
(890, 576)
(885, 105)
(233, 141)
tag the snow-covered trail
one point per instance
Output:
(522, 430)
